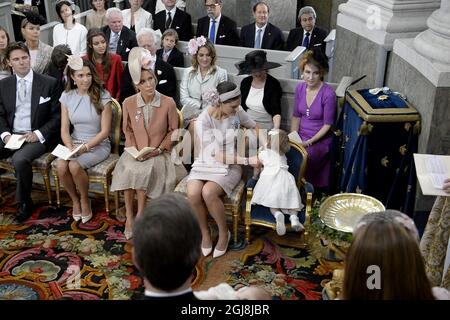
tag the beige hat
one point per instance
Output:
(138, 59)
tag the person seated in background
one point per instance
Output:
(170, 278)
(202, 75)
(159, 6)
(69, 32)
(5, 70)
(435, 241)
(97, 18)
(308, 35)
(108, 65)
(58, 64)
(218, 28)
(261, 93)
(18, 10)
(174, 18)
(136, 18)
(120, 38)
(85, 107)
(149, 119)
(169, 52)
(314, 113)
(387, 241)
(28, 106)
(40, 52)
(167, 81)
(262, 34)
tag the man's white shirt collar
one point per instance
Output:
(28, 78)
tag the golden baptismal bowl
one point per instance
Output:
(342, 211)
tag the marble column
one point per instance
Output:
(420, 68)
(366, 30)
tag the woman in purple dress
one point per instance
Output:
(314, 112)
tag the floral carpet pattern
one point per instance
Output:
(50, 257)
(285, 269)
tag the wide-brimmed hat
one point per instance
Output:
(138, 59)
(255, 61)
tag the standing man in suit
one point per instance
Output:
(28, 106)
(167, 81)
(174, 18)
(262, 34)
(121, 39)
(308, 35)
(218, 28)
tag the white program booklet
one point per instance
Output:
(64, 153)
(15, 142)
(136, 154)
(295, 137)
(432, 170)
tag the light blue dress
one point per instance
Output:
(86, 125)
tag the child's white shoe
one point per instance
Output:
(281, 228)
(295, 223)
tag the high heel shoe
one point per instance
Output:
(206, 251)
(85, 219)
(76, 216)
(218, 253)
(128, 234)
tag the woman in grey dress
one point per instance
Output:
(86, 106)
(211, 178)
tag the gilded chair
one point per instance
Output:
(39, 165)
(260, 215)
(102, 172)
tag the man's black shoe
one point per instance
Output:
(25, 211)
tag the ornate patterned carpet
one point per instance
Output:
(51, 257)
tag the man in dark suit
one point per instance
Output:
(167, 82)
(173, 18)
(168, 278)
(218, 28)
(28, 106)
(262, 34)
(308, 35)
(121, 39)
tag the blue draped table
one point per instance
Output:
(375, 138)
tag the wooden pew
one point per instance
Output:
(227, 56)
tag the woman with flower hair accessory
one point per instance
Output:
(108, 65)
(86, 107)
(149, 120)
(212, 176)
(203, 74)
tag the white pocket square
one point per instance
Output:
(43, 100)
(177, 27)
(162, 81)
(222, 36)
(127, 49)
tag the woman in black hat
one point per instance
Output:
(261, 93)
(40, 52)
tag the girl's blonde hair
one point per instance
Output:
(279, 141)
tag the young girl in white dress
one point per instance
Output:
(276, 187)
